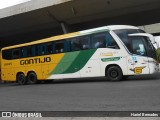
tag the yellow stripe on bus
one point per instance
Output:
(50, 39)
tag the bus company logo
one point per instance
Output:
(138, 70)
(108, 53)
(6, 114)
(35, 61)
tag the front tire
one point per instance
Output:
(21, 79)
(32, 78)
(114, 73)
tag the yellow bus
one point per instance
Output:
(114, 52)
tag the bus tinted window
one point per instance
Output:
(24, 52)
(110, 42)
(80, 43)
(103, 40)
(76, 44)
(85, 40)
(41, 49)
(7, 54)
(98, 41)
(16, 53)
(49, 48)
(68, 45)
(29, 51)
(59, 47)
(34, 51)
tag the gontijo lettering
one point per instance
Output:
(35, 61)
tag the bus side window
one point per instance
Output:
(33, 51)
(110, 42)
(85, 40)
(59, 47)
(7, 54)
(29, 51)
(98, 40)
(41, 49)
(76, 44)
(16, 53)
(80, 43)
(24, 52)
(49, 48)
(43, 52)
(68, 45)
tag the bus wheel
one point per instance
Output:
(114, 73)
(32, 78)
(21, 79)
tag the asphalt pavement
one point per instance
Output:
(140, 93)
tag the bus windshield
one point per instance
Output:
(139, 45)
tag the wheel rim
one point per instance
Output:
(114, 74)
(32, 78)
(21, 79)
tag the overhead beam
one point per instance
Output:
(29, 6)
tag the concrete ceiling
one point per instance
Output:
(78, 15)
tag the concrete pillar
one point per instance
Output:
(64, 27)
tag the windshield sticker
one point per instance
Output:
(110, 59)
(134, 58)
(138, 70)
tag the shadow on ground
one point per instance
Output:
(86, 80)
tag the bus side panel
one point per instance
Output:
(91, 69)
(8, 74)
(45, 71)
(35, 68)
(113, 57)
(121, 63)
(10, 68)
(7, 70)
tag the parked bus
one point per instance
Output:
(114, 52)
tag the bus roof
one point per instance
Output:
(74, 34)
(117, 27)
